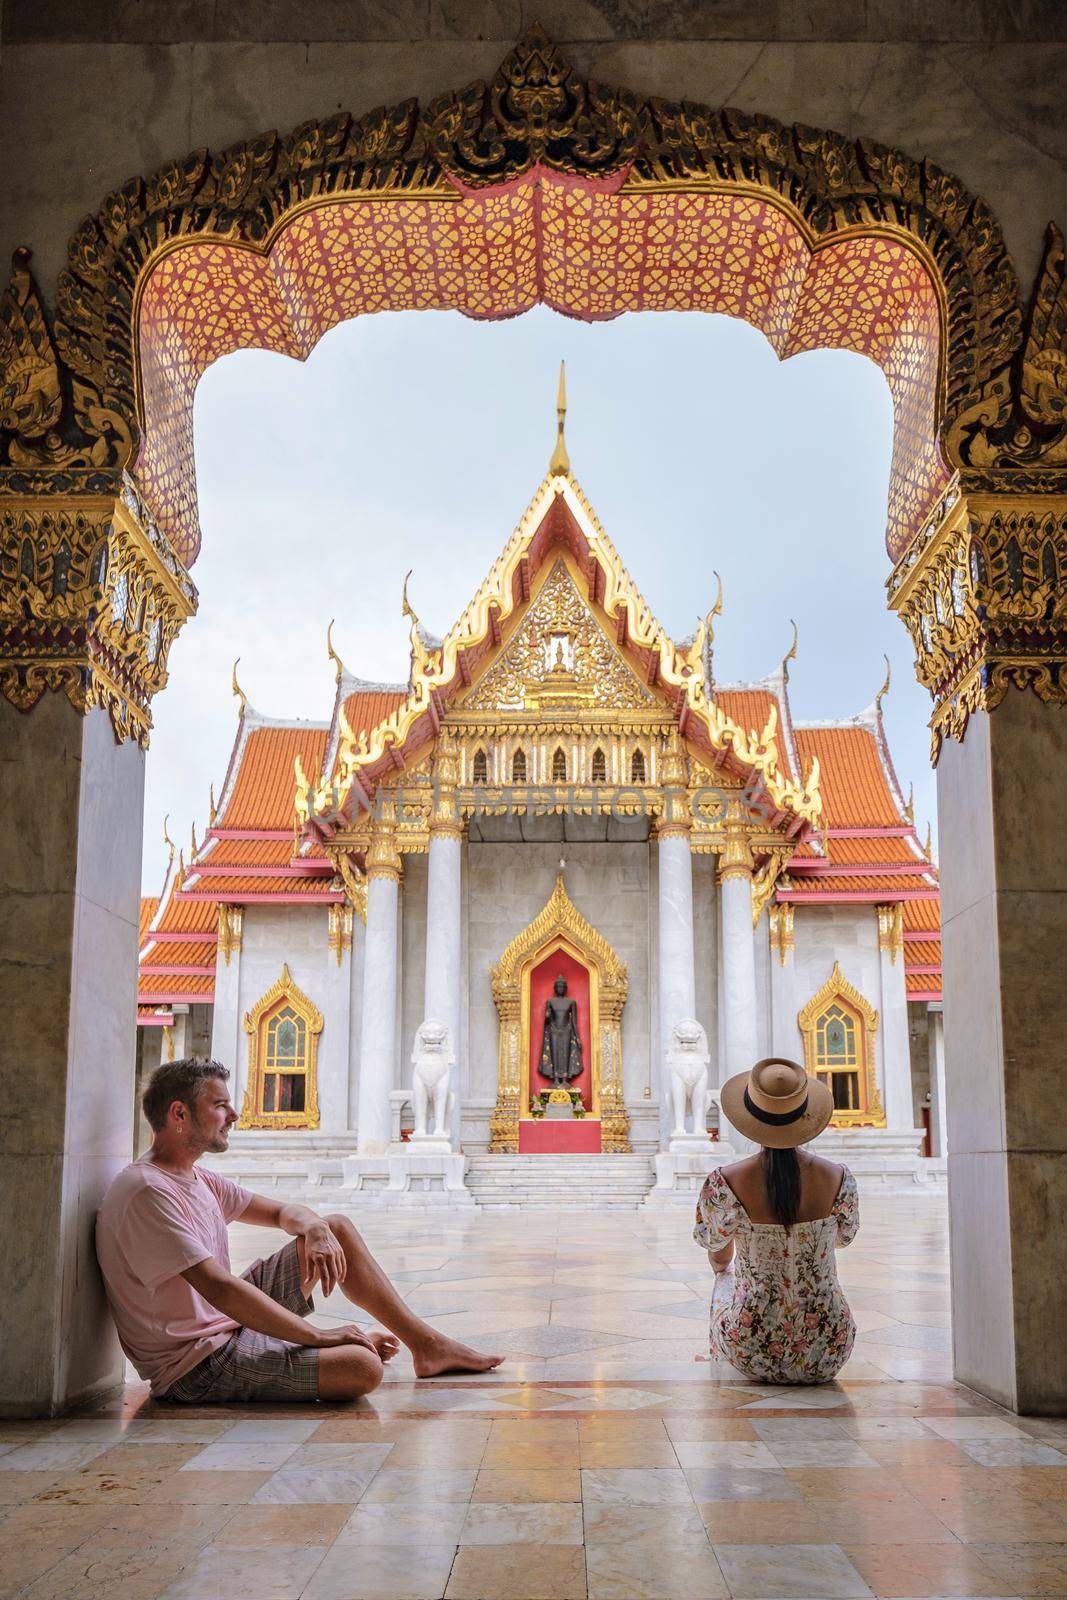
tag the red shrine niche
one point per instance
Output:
(560, 963)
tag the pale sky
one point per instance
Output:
(416, 440)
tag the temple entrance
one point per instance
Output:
(537, 187)
(559, 943)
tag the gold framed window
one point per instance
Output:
(839, 1027)
(283, 1030)
(637, 767)
(518, 767)
(559, 766)
(480, 767)
(600, 766)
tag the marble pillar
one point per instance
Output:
(893, 1032)
(1004, 933)
(677, 971)
(229, 1042)
(740, 1028)
(442, 996)
(378, 1026)
(785, 1034)
(935, 1036)
(70, 863)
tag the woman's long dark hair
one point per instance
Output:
(781, 1175)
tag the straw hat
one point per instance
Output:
(777, 1104)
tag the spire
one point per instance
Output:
(238, 691)
(338, 664)
(561, 461)
(884, 690)
(167, 840)
(212, 808)
(791, 653)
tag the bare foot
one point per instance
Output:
(385, 1344)
(448, 1355)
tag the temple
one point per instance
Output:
(383, 902)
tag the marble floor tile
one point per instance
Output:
(519, 1484)
(278, 1574)
(629, 1452)
(635, 1487)
(207, 1488)
(262, 1526)
(131, 1572)
(522, 1523)
(656, 1527)
(340, 1457)
(387, 1522)
(315, 1486)
(1027, 1569)
(726, 1453)
(640, 1572)
(421, 1487)
(763, 1522)
(915, 1570)
(741, 1483)
(845, 1453)
(789, 1572)
(1021, 1452)
(506, 1572)
(382, 1572)
(515, 1453)
(54, 1454)
(248, 1455)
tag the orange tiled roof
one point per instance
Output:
(155, 983)
(149, 905)
(922, 953)
(922, 916)
(853, 783)
(750, 708)
(260, 793)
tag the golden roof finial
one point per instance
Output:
(338, 664)
(561, 461)
(928, 847)
(195, 846)
(212, 808)
(167, 840)
(238, 691)
(909, 809)
(716, 609)
(791, 653)
(884, 690)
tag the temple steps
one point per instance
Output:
(499, 1182)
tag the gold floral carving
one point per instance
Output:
(285, 991)
(781, 930)
(891, 930)
(339, 930)
(354, 881)
(91, 600)
(984, 597)
(560, 924)
(765, 881)
(837, 987)
(231, 928)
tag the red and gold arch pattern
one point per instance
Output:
(573, 247)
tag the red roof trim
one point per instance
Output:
(313, 867)
(177, 972)
(249, 834)
(874, 897)
(925, 994)
(858, 869)
(923, 972)
(922, 935)
(161, 936)
(244, 898)
(868, 833)
(176, 999)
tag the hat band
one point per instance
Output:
(775, 1119)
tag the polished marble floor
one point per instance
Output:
(607, 1458)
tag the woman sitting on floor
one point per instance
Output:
(781, 1316)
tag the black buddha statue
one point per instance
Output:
(561, 1046)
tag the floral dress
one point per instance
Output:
(786, 1320)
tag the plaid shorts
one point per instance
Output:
(255, 1366)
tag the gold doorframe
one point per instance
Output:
(560, 926)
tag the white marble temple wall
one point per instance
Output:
(896, 1043)
(355, 1019)
(412, 971)
(848, 935)
(706, 952)
(764, 1016)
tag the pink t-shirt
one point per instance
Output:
(153, 1225)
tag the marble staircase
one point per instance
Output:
(592, 1182)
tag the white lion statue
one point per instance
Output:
(688, 1058)
(432, 1060)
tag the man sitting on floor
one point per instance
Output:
(199, 1334)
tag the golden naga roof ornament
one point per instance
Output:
(338, 664)
(884, 690)
(791, 653)
(560, 465)
(422, 659)
(695, 656)
(167, 840)
(909, 809)
(238, 691)
(928, 847)
(212, 808)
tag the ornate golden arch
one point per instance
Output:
(218, 251)
(838, 988)
(560, 926)
(285, 991)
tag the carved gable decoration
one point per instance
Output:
(560, 659)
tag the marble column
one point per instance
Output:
(229, 1042)
(70, 862)
(377, 1054)
(894, 1033)
(444, 944)
(1004, 932)
(935, 1034)
(740, 1028)
(677, 969)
